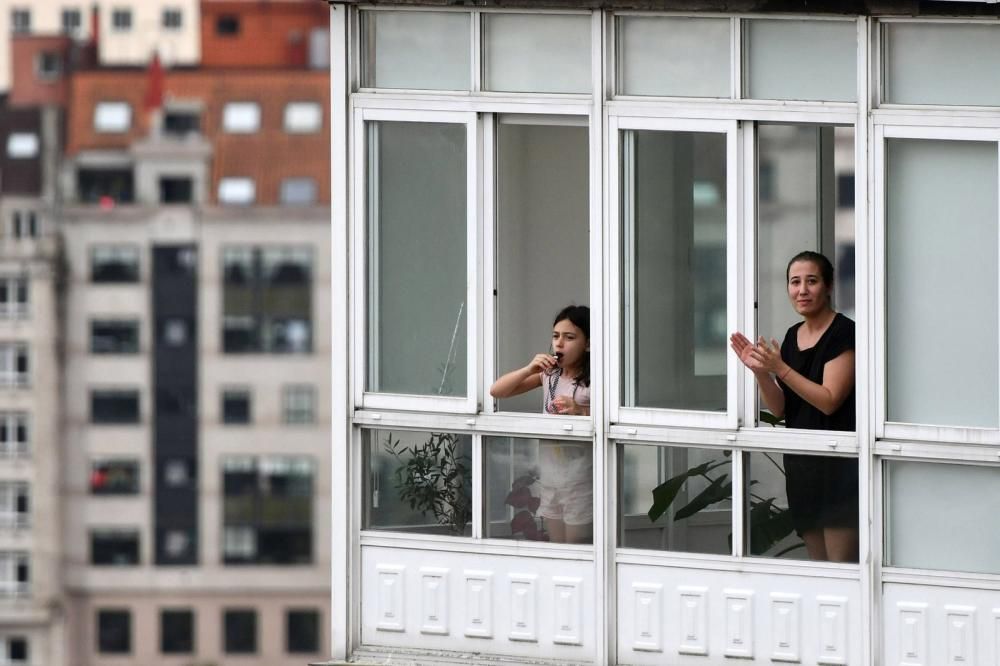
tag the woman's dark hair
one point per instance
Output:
(825, 267)
(579, 316)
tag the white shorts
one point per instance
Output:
(566, 482)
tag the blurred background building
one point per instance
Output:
(164, 354)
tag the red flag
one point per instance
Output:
(154, 84)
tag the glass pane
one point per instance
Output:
(805, 201)
(802, 60)
(675, 498)
(940, 63)
(417, 254)
(683, 57)
(926, 529)
(941, 206)
(801, 507)
(539, 490)
(419, 50)
(517, 43)
(418, 482)
(542, 203)
(674, 216)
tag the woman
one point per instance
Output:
(809, 380)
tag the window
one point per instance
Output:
(114, 336)
(114, 631)
(15, 505)
(14, 441)
(177, 472)
(112, 117)
(236, 406)
(24, 224)
(241, 117)
(267, 510)
(14, 297)
(302, 631)
(298, 191)
(267, 299)
(237, 191)
(181, 123)
(71, 22)
(114, 477)
(20, 21)
(175, 331)
(22, 145)
(121, 20)
(14, 650)
(114, 263)
(674, 56)
(48, 64)
(172, 19)
(516, 43)
(110, 406)
(14, 364)
(227, 25)
(299, 403)
(15, 577)
(176, 190)
(176, 546)
(105, 186)
(419, 50)
(303, 117)
(114, 547)
(239, 631)
(176, 631)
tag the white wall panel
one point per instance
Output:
(434, 596)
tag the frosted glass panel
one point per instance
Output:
(941, 290)
(803, 60)
(943, 516)
(682, 57)
(419, 50)
(537, 53)
(543, 199)
(417, 259)
(942, 64)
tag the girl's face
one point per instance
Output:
(569, 342)
(806, 290)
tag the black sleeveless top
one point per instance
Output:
(838, 338)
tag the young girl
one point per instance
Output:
(565, 469)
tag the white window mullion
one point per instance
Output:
(734, 189)
(474, 204)
(748, 324)
(488, 248)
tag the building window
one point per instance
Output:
(303, 117)
(237, 191)
(177, 472)
(15, 575)
(13, 650)
(236, 406)
(114, 336)
(181, 123)
(174, 331)
(299, 404)
(114, 263)
(71, 22)
(22, 145)
(20, 21)
(48, 65)
(241, 117)
(172, 19)
(302, 631)
(14, 364)
(114, 477)
(24, 224)
(121, 20)
(227, 25)
(267, 510)
(14, 297)
(239, 631)
(15, 505)
(114, 547)
(14, 442)
(176, 190)
(267, 299)
(114, 406)
(177, 631)
(176, 546)
(105, 186)
(112, 117)
(298, 191)
(114, 631)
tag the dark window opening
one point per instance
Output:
(114, 477)
(114, 337)
(177, 631)
(49, 64)
(114, 631)
(302, 631)
(71, 21)
(17, 650)
(845, 190)
(114, 407)
(114, 547)
(240, 631)
(114, 264)
(181, 123)
(20, 21)
(172, 19)
(176, 190)
(235, 406)
(227, 25)
(121, 19)
(106, 185)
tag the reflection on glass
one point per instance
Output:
(675, 498)
(674, 265)
(542, 239)
(418, 482)
(417, 258)
(805, 201)
(539, 490)
(801, 506)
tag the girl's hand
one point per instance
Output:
(564, 404)
(744, 351)
(542, 363)
(767, 356)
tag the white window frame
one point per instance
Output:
(74, 27)
(22, 145)
(241, 117)
(10, 561)
(13, 307)
(364, 398)
(10, 493)
(303, 117)
(122, 19)
(237, 191)
(10, 354)
(112, 117)
(167, 17)
(12, 447)
(18, 26)
(5, 645)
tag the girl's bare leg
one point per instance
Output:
(815, 544)
(579, 533)
(556, 529)
(841, 543)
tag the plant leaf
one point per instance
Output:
(665, 493)
(716, 491)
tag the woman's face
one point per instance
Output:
(569, 342)
(806, 290)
